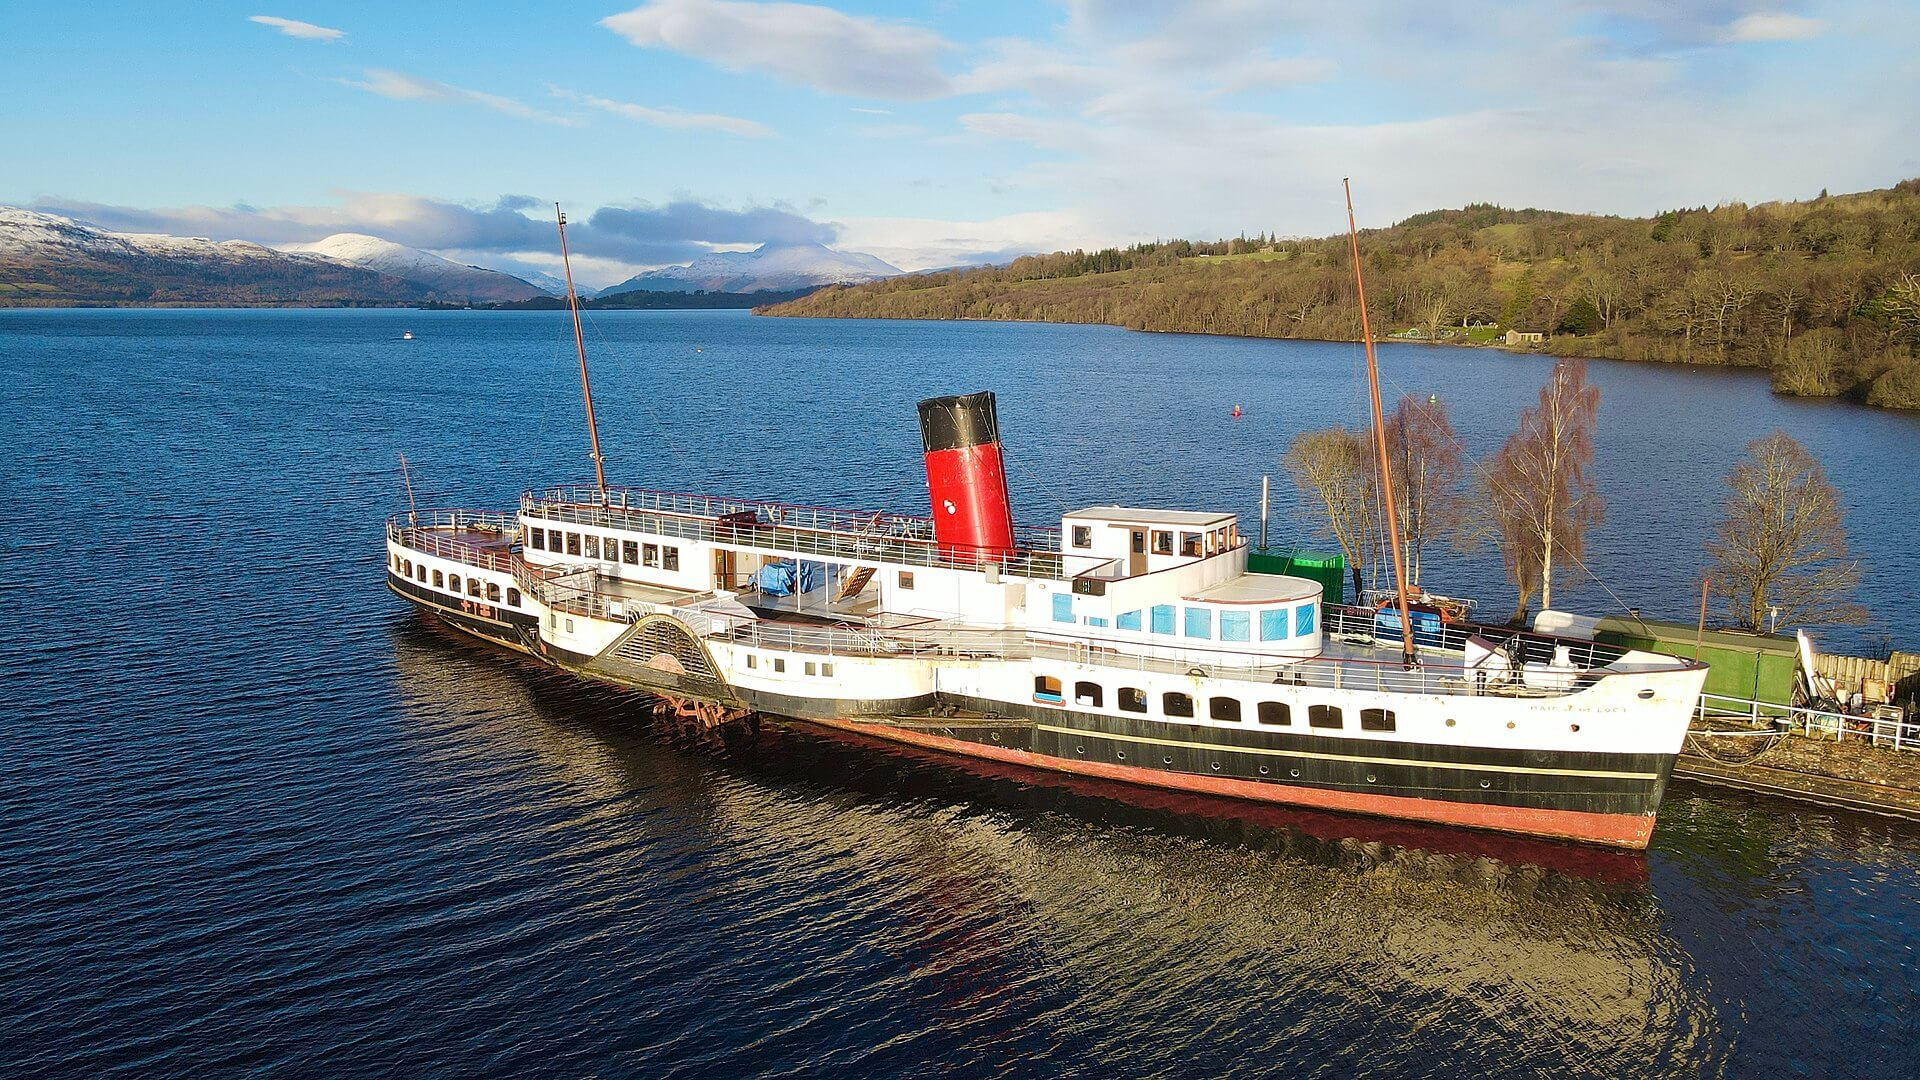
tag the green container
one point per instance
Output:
(1759, 667)
(1329, 570)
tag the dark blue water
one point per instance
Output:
(255, 817)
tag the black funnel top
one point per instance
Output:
(952, 423)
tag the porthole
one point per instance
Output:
(1647, 694)
(1370, 778)
(1486, 783)
(1295, 773)
(1263, 770)
(1449, 721)
(1573, 727)
(1079, 749)
(1216, 766)
(1121, 754)
(995, 736)
(1166, 761)
(1509, 725)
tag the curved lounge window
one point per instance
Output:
(1225, 709)
(1175, 703)
(1132, 699)
(1273, 624)
(1163, 619)
(1087, 693)
(1325, 716)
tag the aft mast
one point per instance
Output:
(580, 346)
(1379, 439)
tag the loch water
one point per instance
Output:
(256, 817)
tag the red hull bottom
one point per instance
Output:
(1629, 831)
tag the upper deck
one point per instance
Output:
(790, 529)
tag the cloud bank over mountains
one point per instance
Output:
(519, 229)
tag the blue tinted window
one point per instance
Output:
(1303, 620)
(1062, 607)
(1233, 625)
(1273, 624)
(1128, 620)
(1094, 620)
(1199, 623)
(1163, 618)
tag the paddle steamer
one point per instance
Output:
(1128, 643)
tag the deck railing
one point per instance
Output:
(844, 535)
(444, 533)
(1898, 733)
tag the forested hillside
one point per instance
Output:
(1824, 293)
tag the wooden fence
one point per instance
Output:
(1876, 680)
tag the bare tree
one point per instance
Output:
(1424, 455)
(1782, 544)
(1332, 468)
(1541, 498)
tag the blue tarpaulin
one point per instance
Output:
(1427, 627)
(777, 578)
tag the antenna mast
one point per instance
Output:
(413, 518)
(580, 346)
(1380, 439)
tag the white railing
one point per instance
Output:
(446, 534)
(1899, 734)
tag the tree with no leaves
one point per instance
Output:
(1541, 499)
(1425, 457)
(1783, 540)
(1333, 470)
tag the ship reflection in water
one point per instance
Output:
(819, 896)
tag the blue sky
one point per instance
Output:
(930, 133)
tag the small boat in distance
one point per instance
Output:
(408, 336)
(1123, 643)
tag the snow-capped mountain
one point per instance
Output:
(772, 266)
(554, 285)
(49, 259)
(443, 278)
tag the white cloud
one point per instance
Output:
(667, 116)
(1774, 26)
(294, 28)
(400, 86)
(803, 44)
(928, 243)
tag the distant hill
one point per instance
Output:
(1824, 293)
(444, 279)
(46, 259)
(642, 299)
(771, 267)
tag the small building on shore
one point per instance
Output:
(1525, 337)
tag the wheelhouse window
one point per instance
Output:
(630, 552)
(1276, 713)
(650, 555)
(1175, 703)
(906, 580)
(1063, 607)
(1225, 709)
(1132, 699)
(1376, 720)
(513, 597)
(593, 546)
(1325, 716)
(1163, 618)
(537, 539)
(1162, 542)
(669, 558)
(1087, 693)
(1190, 544)
(1083, 536)
(1046, 690)
(573, 543)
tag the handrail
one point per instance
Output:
(442, 531)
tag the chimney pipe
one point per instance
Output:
(966, 476)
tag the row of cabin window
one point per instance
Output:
(1276, 624)
(1046, 690)
(824, 668)
(488, 591)
(1192, 544)
(590, 546)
